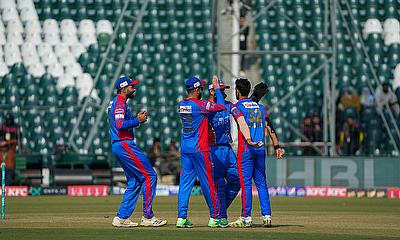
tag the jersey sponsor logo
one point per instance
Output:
(250, 105)
(185, 109)
(119, 113)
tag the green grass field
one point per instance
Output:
(61, 217)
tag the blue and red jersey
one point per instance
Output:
(221, 125)
(197, 135)
(254, 114)
(121, 120)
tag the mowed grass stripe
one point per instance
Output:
(62, 217)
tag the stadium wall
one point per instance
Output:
(351, 172)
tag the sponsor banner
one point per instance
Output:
(167, 190)
(393, 193)
(376, 193)
(88, 190)
(196, 191)
(350, 172)
(16, 191)
(287, 191)
(326, 192)
(118, 190)
(54, 191)
(162, 190)
(35, 191)
(368, 193)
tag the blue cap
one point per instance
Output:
(194, 82)
(124, 81)
(221, 85)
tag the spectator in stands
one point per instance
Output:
(384, 95)
(155, 154)
(367, 99)
(349, 99)
(244, 33)
(9, 136)
(396, 88)
(350, 136)
(312, 131)
(308, 132)
(316, 120)
(173, 149)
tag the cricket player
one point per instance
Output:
(251, 160)
(225, 169)
(197, 137)
(138, 170)
(259, 92)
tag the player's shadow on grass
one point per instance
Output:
(278, 225)
(257, 226)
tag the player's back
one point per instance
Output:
(196, 132)
(221, 125)
(254, 116)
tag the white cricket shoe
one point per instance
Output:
(242, 222)
(152, 222)
(127, 223)
(267, 221)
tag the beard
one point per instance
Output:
(131, 94)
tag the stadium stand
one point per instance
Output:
(54, 49)
(378, 21)
(50, 52)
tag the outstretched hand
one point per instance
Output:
(279, 153)
(142, 116)
(254, 144)
(215, 82)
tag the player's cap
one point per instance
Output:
(221, 85)
(194, 82)
(124, 81)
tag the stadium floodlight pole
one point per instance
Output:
(117, 73)
(216, 39)
(326, 84)
(262, 11)
(359, 36)
(333, 79)
(3, 189)
(235, 59)
(96, 79)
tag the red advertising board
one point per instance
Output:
(16, 191)
(326, 192)
(88, 190)
(393, 193)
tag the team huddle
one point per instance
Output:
(206, 153)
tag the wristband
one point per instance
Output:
(277, 146)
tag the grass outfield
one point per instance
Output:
(62, 217)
